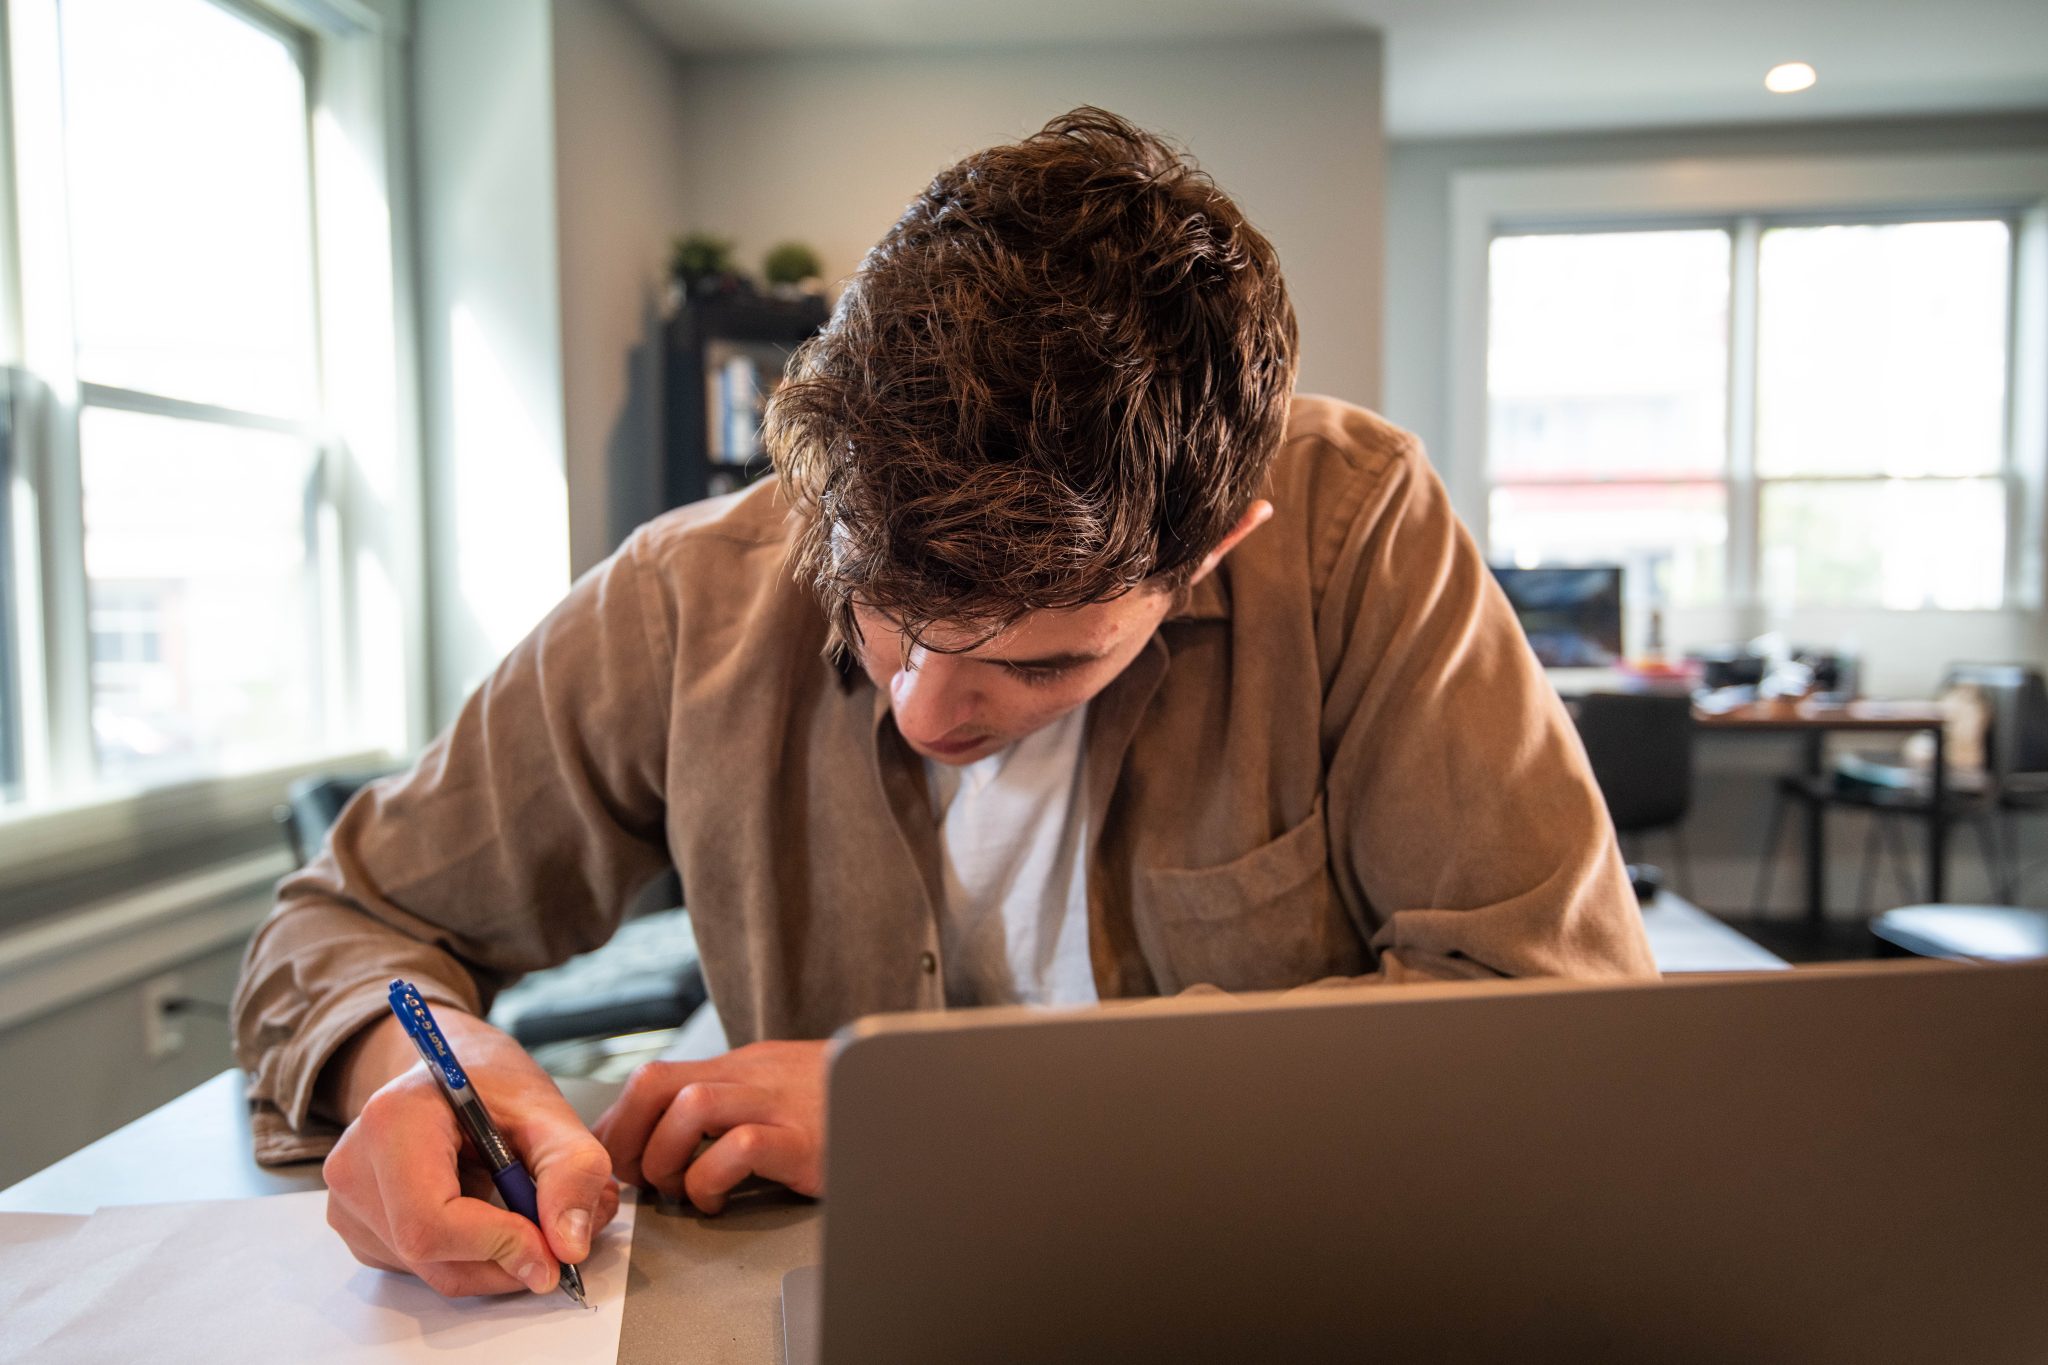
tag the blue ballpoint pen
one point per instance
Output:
(508, 1173)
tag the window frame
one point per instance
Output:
(74, 830)
(1740, 478)
(10, 686)
(1747, 194)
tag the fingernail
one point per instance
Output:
(576, 1232)
(534, 1276)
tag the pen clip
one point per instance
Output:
(418, 1022)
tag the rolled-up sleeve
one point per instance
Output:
(515, 842)
(1461, 804)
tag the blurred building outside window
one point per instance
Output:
(1843, 422)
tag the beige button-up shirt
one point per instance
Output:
(1338, 760)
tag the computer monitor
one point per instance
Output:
(1572, 616)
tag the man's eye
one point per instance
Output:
(1037, 677)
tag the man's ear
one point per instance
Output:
(1254, 517)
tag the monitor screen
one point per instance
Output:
(1571, 616)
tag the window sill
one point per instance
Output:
(100, 946)
(54, 858)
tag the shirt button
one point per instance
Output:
(927, 962)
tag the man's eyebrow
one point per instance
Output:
(1044, 661)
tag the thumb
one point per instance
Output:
(571, 1170)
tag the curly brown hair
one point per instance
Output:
(1063, 372)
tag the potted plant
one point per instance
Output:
(702, 263)
(789, 266)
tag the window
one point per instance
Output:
(1880, 413)
(1607, 375)
(204, 481)
(186, 157)
(1864, 388)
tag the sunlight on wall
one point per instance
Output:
(510, 502)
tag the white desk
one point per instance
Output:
(1685, 938)
(721, 1277)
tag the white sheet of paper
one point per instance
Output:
(266, 1280)
(27, 1242)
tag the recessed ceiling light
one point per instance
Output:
(1788, 78)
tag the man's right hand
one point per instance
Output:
(401, 1199)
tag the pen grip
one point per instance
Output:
(517, 1188)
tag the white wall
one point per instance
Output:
(490, 332)
(561, 148)
(88, 999)
(620, 135)
(828, 150)
(548, 183)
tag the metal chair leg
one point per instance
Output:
(1995, 870)
(1901, 860)
(1766, 865)
(1864, 879)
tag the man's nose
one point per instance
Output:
(931, 695)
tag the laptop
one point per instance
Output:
(1830, 1165)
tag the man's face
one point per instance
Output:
(956, 708)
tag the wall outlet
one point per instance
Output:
(163, 1030)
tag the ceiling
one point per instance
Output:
(1492, 66)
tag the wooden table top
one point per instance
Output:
(1788, 714)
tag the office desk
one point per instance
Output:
(1815, 723)
(720, 1278)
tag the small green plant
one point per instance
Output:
(791, 263)
(700, 256)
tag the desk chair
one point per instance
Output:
(648, 978)
(1640, 746)
(1890, 791)
(2018, 752)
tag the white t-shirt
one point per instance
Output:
(1013, 852)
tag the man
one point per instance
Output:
(1070, 657)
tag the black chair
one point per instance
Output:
(1640, 745)
(312, 805)
(2017, 750)
(609, 991)
(1890, 791)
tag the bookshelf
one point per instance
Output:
(724, 355)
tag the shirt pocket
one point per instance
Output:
(1268, 920)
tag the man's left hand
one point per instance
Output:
(762, 1105)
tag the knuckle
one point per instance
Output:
(589, 1157)
(647, 1081)
(413, 1239)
